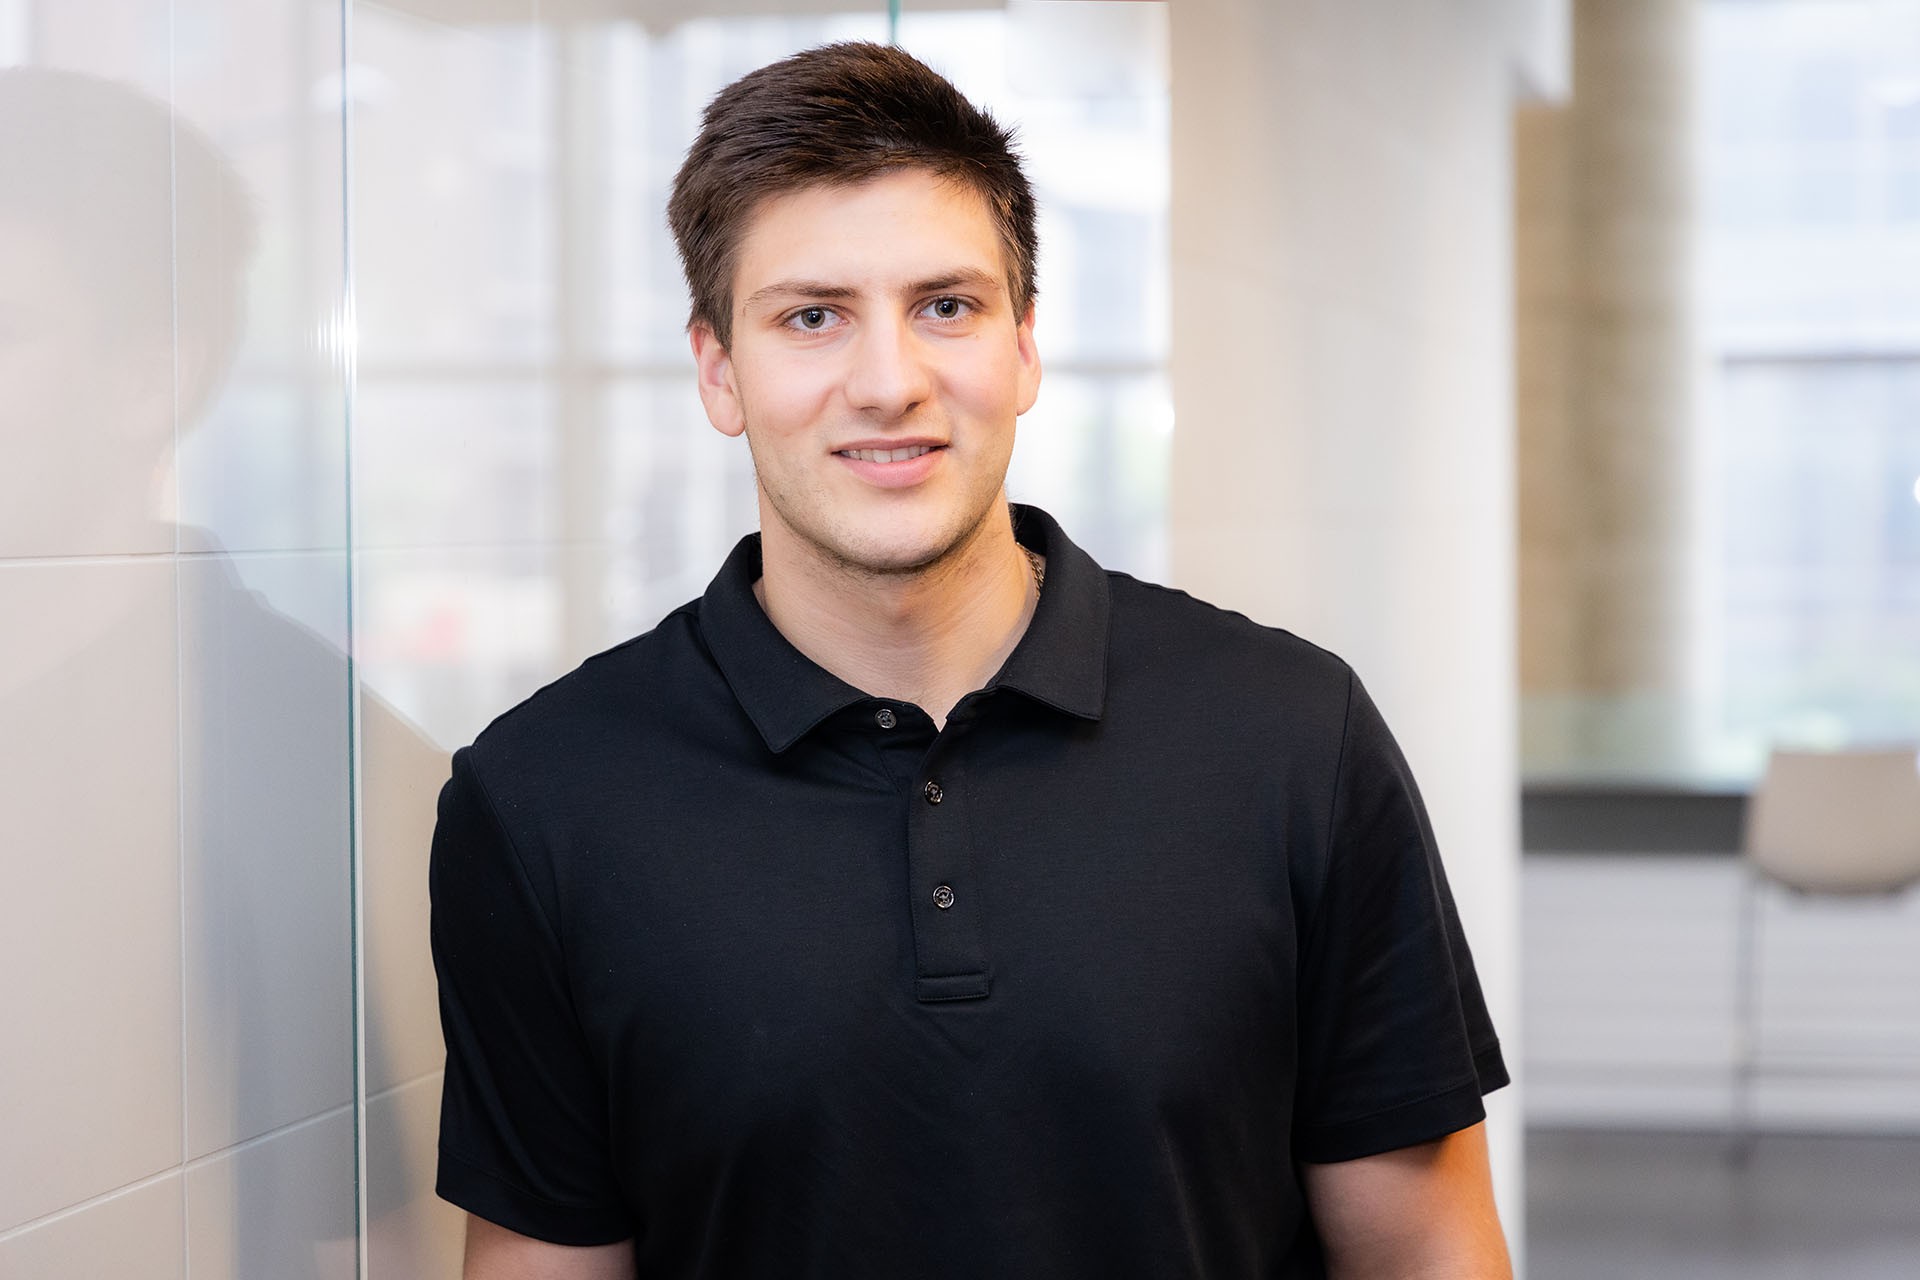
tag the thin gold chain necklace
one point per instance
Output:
(1039, 568)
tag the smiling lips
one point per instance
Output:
(888, 455)
(896, 468)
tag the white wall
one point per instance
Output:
(1343, 371)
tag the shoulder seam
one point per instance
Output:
(1221, 610)
(1333, 812)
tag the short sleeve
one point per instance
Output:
(1396, 1044)
(523, 1120)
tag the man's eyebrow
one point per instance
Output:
(954, 279)
(799, 288)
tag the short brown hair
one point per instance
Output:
(841, 114)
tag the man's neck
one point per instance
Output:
(929, 638)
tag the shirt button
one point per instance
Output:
(934, 794)
(943, 897)
(885, 718)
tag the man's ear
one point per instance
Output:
(717, 389)
(1029, 361)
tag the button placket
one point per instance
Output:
(949, 959)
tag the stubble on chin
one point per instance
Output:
(845, 552)
(838, 549)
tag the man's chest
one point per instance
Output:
(921, 942)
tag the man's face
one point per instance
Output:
(867, 321)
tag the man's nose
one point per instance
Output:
(889, 375)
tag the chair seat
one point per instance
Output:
(1840, 822)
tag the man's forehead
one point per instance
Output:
(905, 230)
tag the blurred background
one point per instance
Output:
(1557, 362)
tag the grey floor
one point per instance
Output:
(1617, 1206)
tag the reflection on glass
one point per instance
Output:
(176, 768)
(174, 692)
(87, 304)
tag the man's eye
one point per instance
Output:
(947, 308)
(810, 318)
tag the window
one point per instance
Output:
(1811, 307)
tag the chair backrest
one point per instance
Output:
(1838, 821)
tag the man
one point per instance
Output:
(924, 901)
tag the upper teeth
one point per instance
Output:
(887, 455)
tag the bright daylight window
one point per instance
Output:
(1811, 304)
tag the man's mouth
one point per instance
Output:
(889, 455)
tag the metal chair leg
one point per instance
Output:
(1746, 1050)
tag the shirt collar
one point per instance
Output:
(1061, 661)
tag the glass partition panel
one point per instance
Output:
(175, 697)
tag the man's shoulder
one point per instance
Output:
(611, 697)
(1159, 626)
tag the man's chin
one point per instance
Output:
(896, 558)
(896, 550)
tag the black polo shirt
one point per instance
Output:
(766, 974)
